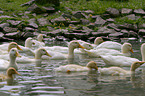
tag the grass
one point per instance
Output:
(98, 6)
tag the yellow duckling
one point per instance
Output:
(119, 71)
(9, 47)
(10, 72)
(75, 68)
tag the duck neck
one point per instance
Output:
(132, 69)
(13, 62)
(143, 52)
(9, 76)
(71, 52)
(38, 55)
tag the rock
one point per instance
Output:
(55, 2)
(113, 12)
(66, 16)
(32, 23)
(129, 27)
(126, 11)
(49, 9)
(43, 22)
(88, 12)
(28, 3)
(28, 29)
(5, 16)
(84, 21)
(141, 32)
(9, 29)
(139, 11)
(117, 34)
(14, 35)
(25, 35)
(141, 26)
(60, 21)
(133, 34)
(1, 34)
(91, 25)
(57, 32)
(110, 20)
(13, 22)
(99, 21)
(1, 12)
(4, 25)
(132, 17)
(50, 28)
(79, 15)
(36, 9)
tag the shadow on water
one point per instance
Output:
(40, 79)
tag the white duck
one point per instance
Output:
(119, 71)
(106, 44)
(26, 50)
(125, 51)
(10, 46)
(62, 49)
(76, 68)
(72, 45)
(4, 64)
(39, 42)
(122, 60)
(38, 56)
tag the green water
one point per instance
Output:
(40, 80)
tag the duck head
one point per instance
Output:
(92, 65)
(126, 47)
(98, 40)
(13, 45)
(29, 42)
(40, 37)
(136, 64)
(11, 71)
(40, 52)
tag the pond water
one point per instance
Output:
(40, 80)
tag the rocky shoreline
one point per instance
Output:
(83, 25)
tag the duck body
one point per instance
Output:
(119, 71)
(113, 71)
(71, 67)
(76, 68)
(4, 64)
(118, 60)
(126, 49)
(109, 45)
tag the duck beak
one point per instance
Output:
(80, 46)
(142, 62)
(18, 55)
(18, 73)
(131, 50)
(18, 48)
(48, 54)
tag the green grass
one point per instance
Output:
(98, 6)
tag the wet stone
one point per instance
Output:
(14, 35)
(84, 21)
